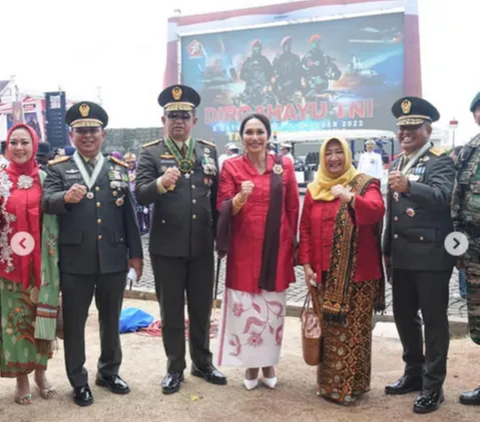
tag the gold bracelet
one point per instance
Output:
(237, 203)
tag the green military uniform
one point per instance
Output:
(417, 225)
(97, 236)
(182, 233)
(467, 220)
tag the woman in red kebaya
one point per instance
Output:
(340, 233)
(259, 206)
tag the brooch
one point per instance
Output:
(24, 182)
(277, 169)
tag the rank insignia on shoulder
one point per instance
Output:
(210, 144)
(149, 144)
(58, 160)
(437, 151)
(119, 162)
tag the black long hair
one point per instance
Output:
(259, 116)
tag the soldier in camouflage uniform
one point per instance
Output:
(467, 219)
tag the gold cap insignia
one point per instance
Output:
(84, 110)
(406, 106)
(177, 93)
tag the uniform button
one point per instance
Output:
(395, 236)
(100, 237)
(163, 221)
(193, 186)
(421, 237)
(395, 218)
(194, 201)
(194, 216)
(99, 221)
(121, 239)
(97, 188)
(99, 204)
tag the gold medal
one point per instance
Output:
(90, 195)
(277, 169)
(119, 202)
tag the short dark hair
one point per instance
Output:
(258, 116)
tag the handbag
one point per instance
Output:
(311, 328)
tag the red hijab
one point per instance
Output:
(24, 203)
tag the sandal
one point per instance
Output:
(47, 393)
(26, 399)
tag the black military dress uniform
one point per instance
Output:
(417, 225)
(97, 236)
(181, 240)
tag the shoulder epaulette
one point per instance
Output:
(59, 160)
(202, 141)
(437, 151)
(117, 161)
(149, 144)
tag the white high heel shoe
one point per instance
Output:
(270, 382)
(250, 384)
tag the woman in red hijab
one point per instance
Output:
(20, 266)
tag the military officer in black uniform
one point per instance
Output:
(99, 241)
(421, 183)
(179, 175)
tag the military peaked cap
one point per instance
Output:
(86, 114)
(413, 111)
(179, 97)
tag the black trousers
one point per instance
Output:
(77, 295)
(427, 291)
(173, 278)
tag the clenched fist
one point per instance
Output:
(342, 192)
(398, 182)
(246, 190)
(75, 194)
(170, 177)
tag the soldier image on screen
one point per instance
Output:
(257, 72)
(288, 73)
(318, 68)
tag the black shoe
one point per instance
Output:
(171, 382)
(471, 397)
(210, 374)
(406, 384)
(428, 401)
(114, 383)
(82, 396)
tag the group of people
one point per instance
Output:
(81, 215)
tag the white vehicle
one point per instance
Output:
(305, 171)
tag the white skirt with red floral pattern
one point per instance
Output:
(251, 329)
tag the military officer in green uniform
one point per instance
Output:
(98, 241)
(467, 220)
(421, 183)
(179, 176)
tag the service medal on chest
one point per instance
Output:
(410, 212)
(90, 195)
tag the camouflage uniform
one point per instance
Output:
(467, 220)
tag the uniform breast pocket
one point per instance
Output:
(70, 238)
(422, 236)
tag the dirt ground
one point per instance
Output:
(293, 400)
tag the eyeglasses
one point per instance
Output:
(175, 115)
(87, 130)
